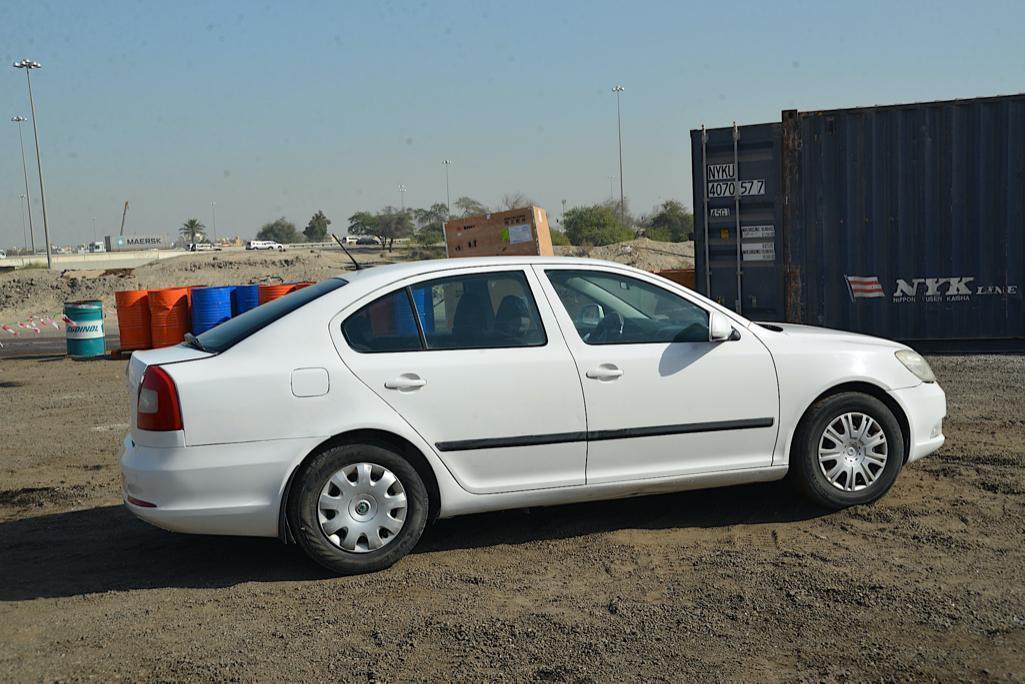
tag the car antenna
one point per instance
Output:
(347, 253)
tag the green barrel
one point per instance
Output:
(85, 328)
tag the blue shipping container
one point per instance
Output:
(904, 221)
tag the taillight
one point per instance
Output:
(158, 407)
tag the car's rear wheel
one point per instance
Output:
(847, 451)
(357, 508)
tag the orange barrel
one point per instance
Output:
(299, 286)
(269, 293)
(133, 319)
(169, 315)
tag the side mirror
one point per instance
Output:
(720, 328)
(592, 314)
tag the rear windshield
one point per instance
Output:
(234, 330)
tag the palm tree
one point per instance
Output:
(192, 230)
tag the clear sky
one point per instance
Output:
(279, 109)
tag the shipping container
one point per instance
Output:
(517, 232)
(130, 243)
(903, 221)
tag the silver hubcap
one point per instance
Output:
(852, 452)
(362, 507)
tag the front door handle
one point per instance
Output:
(606, 372)
(407, 382)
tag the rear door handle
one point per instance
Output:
(606, 372)
(407, 382)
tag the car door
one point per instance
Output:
(661, 399)
(480, 370)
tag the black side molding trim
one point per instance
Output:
(603, 435)
(505, 442)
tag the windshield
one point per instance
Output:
(233, 331)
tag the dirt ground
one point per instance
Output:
(746, 583)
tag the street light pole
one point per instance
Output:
(213, 211)
(448, 197)
(24, 237)
(619, 125)
(402, 197)
(28, 66)
(24, 172)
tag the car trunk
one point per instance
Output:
(140, 361)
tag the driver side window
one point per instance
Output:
(608, 308)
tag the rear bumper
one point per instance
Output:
(231, 489)
(925, 405)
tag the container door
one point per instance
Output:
(738, 218)
(481, 372)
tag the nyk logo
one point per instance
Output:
(950, 289)
(933, 287)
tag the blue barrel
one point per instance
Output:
(210, 306)
(244, 298)
(424, 309)
(84, 329)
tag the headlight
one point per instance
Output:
(914, 362)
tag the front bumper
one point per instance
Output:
(925, 405)
(233, 489)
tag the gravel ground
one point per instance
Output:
(746, 583)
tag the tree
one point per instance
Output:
(282, 231)
(467, 206)
(392, 224)
(515, 200)
(671, 222)
(192, 231)
(430, 224)
(363, 223)
(316, 229)
(559, 238)
(595, 225)
(431, 235)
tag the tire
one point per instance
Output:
(338, 531)
(827, 483)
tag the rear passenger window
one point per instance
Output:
(478, 311)
(384, 325)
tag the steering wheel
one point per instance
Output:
(609, 329)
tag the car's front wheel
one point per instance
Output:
(847, 451)
(358, 508)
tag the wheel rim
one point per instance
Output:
(362, 507)
(853, 451)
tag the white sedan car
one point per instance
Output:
(348, 414)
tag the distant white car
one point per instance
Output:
(346, 415)
(264, 244)
(3, 254)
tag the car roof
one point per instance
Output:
(379, 275)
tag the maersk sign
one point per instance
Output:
(129, 243)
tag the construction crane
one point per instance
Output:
(123, 214)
